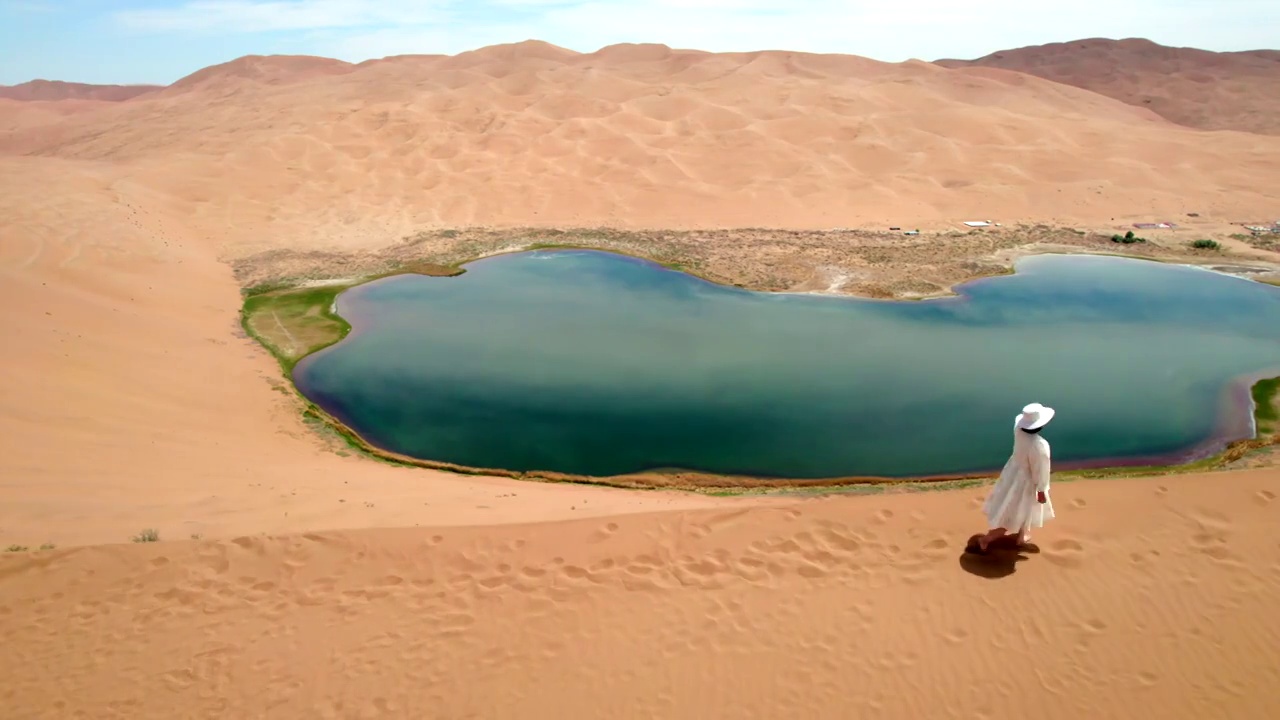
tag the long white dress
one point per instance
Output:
(1012, 504)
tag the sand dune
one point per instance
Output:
(1197, 88)
(132, 400)
(844, 607)
(50, 90)
(643, 136)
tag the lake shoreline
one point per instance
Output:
(1214, 452)
(722, 484)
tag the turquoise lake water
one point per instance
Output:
(592, 363)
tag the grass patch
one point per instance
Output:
(264, 288)
(148, 535)
(1206, 245)
(1266, 394)
(15, 548)
(292, 324)
(424, 268)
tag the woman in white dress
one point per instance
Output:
(1019, 500)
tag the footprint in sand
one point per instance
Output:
(605, 532)
(846, 543)
(1264, 497)
(936, 548)
(1095, 625)
(698, 532)
(643, 565)
(1212, 543)
(1066, 553)
(1078, 503)
(704, 567)
(751, 569)
(494, 582)
(810, 570)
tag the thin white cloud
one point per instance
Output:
(29, 6)
(252, 16)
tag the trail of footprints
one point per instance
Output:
(683, 553)
(451, 580)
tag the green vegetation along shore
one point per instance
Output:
(294, 321)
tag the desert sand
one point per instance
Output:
(327, 585)
(54, 90)
(1193, 87)
(1148, 597)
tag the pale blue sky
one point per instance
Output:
(159, 41)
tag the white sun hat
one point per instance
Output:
(1034, 416)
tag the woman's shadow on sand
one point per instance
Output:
(1000, 558)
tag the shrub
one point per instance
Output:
(1206, 245)
(148, 535)
(1127, 239)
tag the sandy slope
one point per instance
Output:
(1197, 88)
(45, 90)
(265, 152)
(129, 399)
(1149, 598)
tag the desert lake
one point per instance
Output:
(593, 363)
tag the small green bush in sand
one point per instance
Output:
(148, 535)
(1206, 245)
(16, 548)
(1127, 239)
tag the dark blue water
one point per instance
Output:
(591, 363)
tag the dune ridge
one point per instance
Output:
(1189, 86)
(55, 90)
(643, 136)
